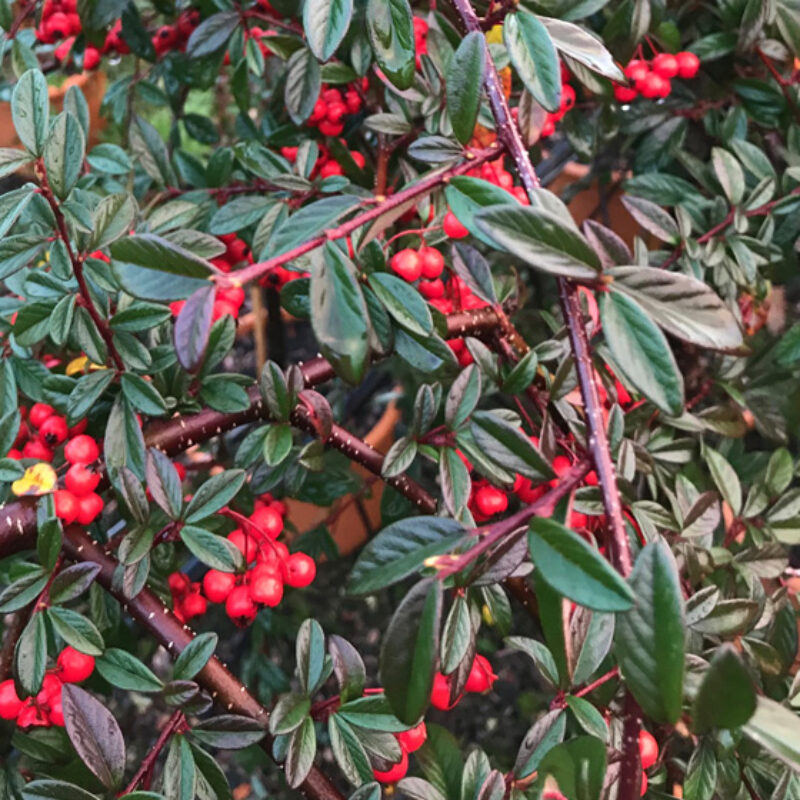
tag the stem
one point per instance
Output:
(424, 186)
(174, 724)
(150, 613)
(85, 298)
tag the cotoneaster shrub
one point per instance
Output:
(595, 463)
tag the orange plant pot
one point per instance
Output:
(350, 529)
(93, 86)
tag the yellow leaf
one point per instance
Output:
(39, 479)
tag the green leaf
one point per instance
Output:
(310, 654)
(289, 713)
(339, 314)
(86, 393)
(541, 239)
(456, 636)
(371, 712)
(465, 85)
(124, 671)
(142, 395)
(325, 23)
(569, 564)
(180, 773)
(302, 749)
(212, 34)
(391, 34)
(30, 110)
(578, 766)
(649, 638)
(541, 737)
(401, 549)
(575, 42)
(22, 591)
(725, 478)
(701, 773)
(682, 305)
(454, 479)
(730, 174)
(56, 790)
(214, 551)
(63, 154)
(195, 656)
(94, 734)
(641, 351)
(726, 677)
(589, 718)
(229, 731)
(18, 251)
(348, 751)
(239, 212)
(467, 195)
(534, 58)
(76, 630)
(30, 658)
(408, 652)
(113, 218)
(473, 268)
(777, 730)
(155, 252)
(11, 159)
(508, 446)
(402, 301)
(463, 397)
(348, 666)
(303, 84)
(652, 218)
(215, 493)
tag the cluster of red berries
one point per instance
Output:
(481, 679)
(60, 23)
(333, 105)
(174, 37)
(270, 566)
(409, 741)
(654, 79)
(567, 102)
(45, 709)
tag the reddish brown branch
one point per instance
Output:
(174, 724)
(421, 187)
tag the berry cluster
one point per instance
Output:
(567, 102)
(332, 105)
(409, 741)
(60, 23)
(45, 709)
(653, 80)
(174, 37)
(270, 566)
(481, 679)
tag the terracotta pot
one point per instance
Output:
(349, 530)
(585, 202)
(93, 86)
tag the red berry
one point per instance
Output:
(624, 94)
(567, 101)
(51, 689)
(432, 290)
(268, 520)
(413, 738)
(266, 587)
(665, 65)
(240, 606)
(432, 262)
(194, 605)
(31, 716)
(652, 86)
(452, 227)
(81, 480)
(395, 773)
(440, 694)
(39, 413)
(688, 64)
(66, 505)
(178, 583)
(643, 789)
(91, 58)
(56, 713)
(10, 704)
(561, 464)
(89, 507)
(407, 264)
(245, 543)
(218, 585)
(490, 501)
(38, 450)
(300, 570)
(481, 678)
(81, 450)
(74, 666)
(648, 749)
(637, 70)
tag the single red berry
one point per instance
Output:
(89, 507)
(643, 789)
(481, 678)
(665, 65)
(81, 450)
(300, 570)
(491, 501)
(194, 605)
(688, 64)
(178, 583)
(10, 704)
(591, 478)
(91, 58)
(407, 264)
(624, 94)
(432, 290)
(561, 464)
(81, 480)
(652, 86)
(268, 520)
(266, 588)
(636, 70)
(53, 431)
(56, 713)
(217, 585)
(395, 773)
(413, 738)
(440, 694)
(240, 606)
(432, 262)
(31, 716)
(66, 505)
(245, 543)
(648, 749)
(567, 101)
(39, 413)
(38, 450)
(452, 227)
(74, 666)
